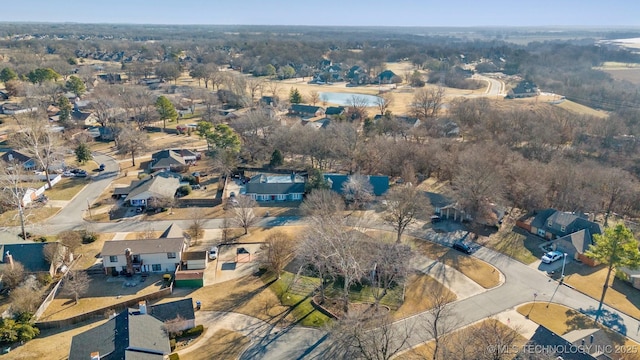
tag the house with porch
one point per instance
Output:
(176, 160)
(307, 111)
(263, 187)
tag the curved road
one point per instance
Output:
(271, 342)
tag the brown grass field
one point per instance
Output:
(222, 345)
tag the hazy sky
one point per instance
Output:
(330, 12)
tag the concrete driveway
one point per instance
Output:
(231, 265)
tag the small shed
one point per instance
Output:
(189, 279)
(194, 260)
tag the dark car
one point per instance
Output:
(460, 246)
(101, 168)
(435, 219)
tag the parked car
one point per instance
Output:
(461, 246)
(552, 256)
(81, 173)
(195, 187)
(213, 253)
(435, 219)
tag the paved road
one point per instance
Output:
(521, 283)
(495, 87)
(70, 217)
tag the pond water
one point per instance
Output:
(345, 98)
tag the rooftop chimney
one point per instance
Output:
(95, 355)
(142, 307)
(8, 259)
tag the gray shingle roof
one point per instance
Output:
(166, 159)
(169, 311)
(30, 255)
(173, 231)
(157, 186)
(143, 246)
(126, 330)
(277, 184)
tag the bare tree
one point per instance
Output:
(273, 87)
(492, 337)
(53, 253)
(357, 107)
(403, 205)
(478, 181)
(323, 203)
(76, 284)
(146, 233)
(39, 141)
(390, 267)
(357, 190)
(131, 142)
(226, 229)
(255, 85)
(314, 97)
(12, 275)
(427, 103)
(368, 336)
(441, 319)
(71, 239)
(173, 327)
(11, 177)
(383, 101)
(27, 297)
(196, 228)
(243, 212)
(279, 252)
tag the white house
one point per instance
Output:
(145, 255)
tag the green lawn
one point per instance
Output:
(67, 188)
(298, 297)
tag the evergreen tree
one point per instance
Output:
(276, 158)
(83, 153)
(65, 108)
(294, 96)
(75, 85)
(7, 74)
(166, 110)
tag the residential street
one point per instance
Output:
(522, 284)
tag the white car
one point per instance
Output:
(213, 253)
(552, 256)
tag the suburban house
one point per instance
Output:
(572, 232)
(581, 344)
(306, 110)
(15, 109)
(264, 187)
(83, 118)
(388, 77)
(177, 160)
(31, 256)
(379, 184)
(335, 111)
(133, 333)
(144, 255)
(524, 89)
(141, 192)
(12, 156)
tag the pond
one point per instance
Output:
(345, 99)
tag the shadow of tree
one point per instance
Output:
(612, 320)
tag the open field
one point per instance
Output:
(67, 188)
(581, 109)
(628, 74)
(33, 216)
